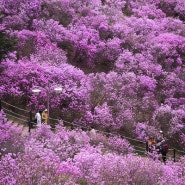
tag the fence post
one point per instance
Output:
(30, 121)
(0, 105)
(174, 151)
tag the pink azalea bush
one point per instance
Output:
(11, 140)
(67, 157)
(121, 68)
(116, 61)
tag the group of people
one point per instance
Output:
(153, 145)
(157, 146)
(41, 117)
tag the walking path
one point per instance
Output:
(21, 121)
(24, 128)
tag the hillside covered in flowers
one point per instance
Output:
(77, 157)
(121, 66)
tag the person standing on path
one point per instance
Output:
(38, 118)
(150, 144)
(162, 147)
(45, 116)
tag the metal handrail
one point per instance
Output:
(81, 126)
(16, 113)
(14, 106)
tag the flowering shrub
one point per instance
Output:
(120, 145)
(182, 137)
(120, 65)
(67, 157)
(11, 140)
(165, 115)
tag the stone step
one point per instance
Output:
(10, 121)
(24, 128)
(15, 124)
(25, 131)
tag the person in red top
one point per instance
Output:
(150, 144)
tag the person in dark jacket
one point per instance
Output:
(162, 147)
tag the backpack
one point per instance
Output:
(164, 148)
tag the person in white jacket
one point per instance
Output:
(38, 118)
